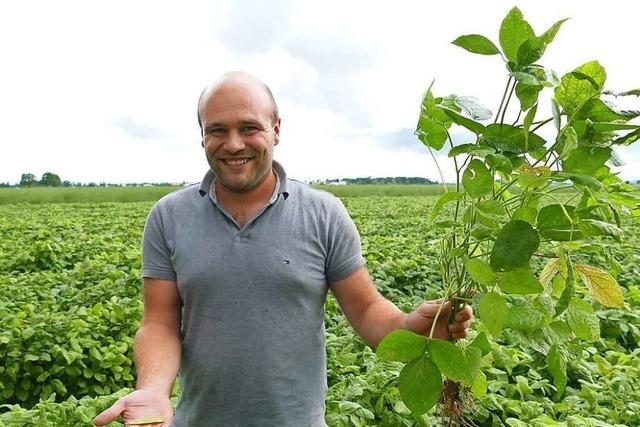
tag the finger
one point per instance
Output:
(465, 313)
(459, 326)
(110, 414)
(459, 335)
(430, 308)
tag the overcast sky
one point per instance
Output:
(107, 91)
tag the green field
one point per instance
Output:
(82, 194)
(153, 193)
(70, 304)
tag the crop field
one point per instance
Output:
(153, 193)
(70, 305)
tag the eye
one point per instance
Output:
(216, 131)
(248, 129)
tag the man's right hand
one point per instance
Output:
(136, 405)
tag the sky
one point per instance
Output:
(107, 91)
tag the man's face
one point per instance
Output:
(239, 135)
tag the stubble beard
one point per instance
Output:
(256, 177)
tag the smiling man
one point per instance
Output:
(236, 272)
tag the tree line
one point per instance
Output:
(50, 179)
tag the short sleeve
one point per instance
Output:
(156, 256)
(344, 252)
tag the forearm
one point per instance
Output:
(379, 319)
(157, 355)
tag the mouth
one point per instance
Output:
(236, 162)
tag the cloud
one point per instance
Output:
(254, 27)
(139, 129)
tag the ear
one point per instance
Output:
(276, 131)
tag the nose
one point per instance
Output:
(234, 142)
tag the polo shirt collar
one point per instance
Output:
(206, 186)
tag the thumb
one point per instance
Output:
(428, 309)
(110, 414)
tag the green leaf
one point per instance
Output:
(567, 292)
(479, 387)
(530, 51)
(492, 310)
(481, 342)
(453, 362)
(594, 227)
(527, 214)
(533, 49)
(515, 244)
(492, 209)
(447, 197)
(473, 126)
(603, 127)
(557, 366)
(401, 345)
(476, 43)
(481, 231)
(555, 222)
(431, 133)
(514, 31)
(526, 78)
(597, 111)
(480, 271)
(528, 120)
(499, 162)
(477, 179)
(553, 267)
(470, 148)
(511, 139)
(530, 177)
(519, 281)
(570, 142)
(527, 95)
(432, 123)
(582, 320)
(524, 318)
(473, 107)
(420, 385)
(473, 358)
(602, 285)
(578, 179)
(586, 160)
(578, 86)
(555, 111)
(628, 138)
(550, 34)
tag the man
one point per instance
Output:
(236, 272)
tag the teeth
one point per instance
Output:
(237, 162)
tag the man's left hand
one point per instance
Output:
(421, 319)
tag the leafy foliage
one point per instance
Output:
(508, 210)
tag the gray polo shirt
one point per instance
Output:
(253, 344)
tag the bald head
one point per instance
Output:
(236, 79)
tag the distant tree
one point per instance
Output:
(28, 180)
(66, 183)
(50, 179)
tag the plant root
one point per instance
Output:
(456, 404)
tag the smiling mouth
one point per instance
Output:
(235, 162)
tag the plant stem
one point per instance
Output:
(517, 118)
(444, 184)
(504, 110)
(504, 95)
(542, 123)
